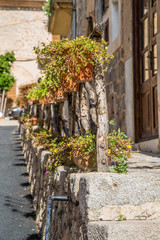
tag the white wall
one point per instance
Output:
(20, 31)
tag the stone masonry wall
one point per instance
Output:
(115, 76)
(97, 201)
(115, 85)
(69, 222)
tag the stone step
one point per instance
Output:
(105, 196)
(124, 230)
(144, 162)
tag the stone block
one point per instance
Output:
(104, 196)
(132, 230)
(97, 201)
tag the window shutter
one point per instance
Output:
(106, 32)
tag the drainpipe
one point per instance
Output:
(74, 19)
(99, 11)
(49, 213)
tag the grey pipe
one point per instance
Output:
(74, 19)
(99, 11)
(49, 212)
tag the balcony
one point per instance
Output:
(60, 20)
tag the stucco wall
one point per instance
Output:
(20, 31)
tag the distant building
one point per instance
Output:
(23, 25)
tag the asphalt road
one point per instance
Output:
(16, 212)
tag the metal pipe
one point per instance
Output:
(99, 11)
(49, 218)
(74, 19)
(60, 198)
(49, 212)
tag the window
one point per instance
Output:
(115, 19)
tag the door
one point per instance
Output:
(146, 69)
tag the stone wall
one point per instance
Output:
(115, 85)
(96, 201)
(70, 222)
(119, 84)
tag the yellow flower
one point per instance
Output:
(55, 164)
(129, 146)
(109, 151)
(128, 155)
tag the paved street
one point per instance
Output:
(16, 212)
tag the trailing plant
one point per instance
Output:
(6, 78)
(83, 144)
(41, 137)
(38, 92)
(24, 90)
(67, 58)
(28, 126)
(24, 118)
(63, 148)
(61, 154)
(119, 150)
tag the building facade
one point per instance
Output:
(23, 25)
(132, 31)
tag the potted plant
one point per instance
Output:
(34, 121)
(60, 95)
(69, 85)
(83, 151)
(24, 118)
(69, 60)
(23, 92)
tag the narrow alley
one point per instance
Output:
(16, 211)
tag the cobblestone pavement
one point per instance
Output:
(16, 212)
